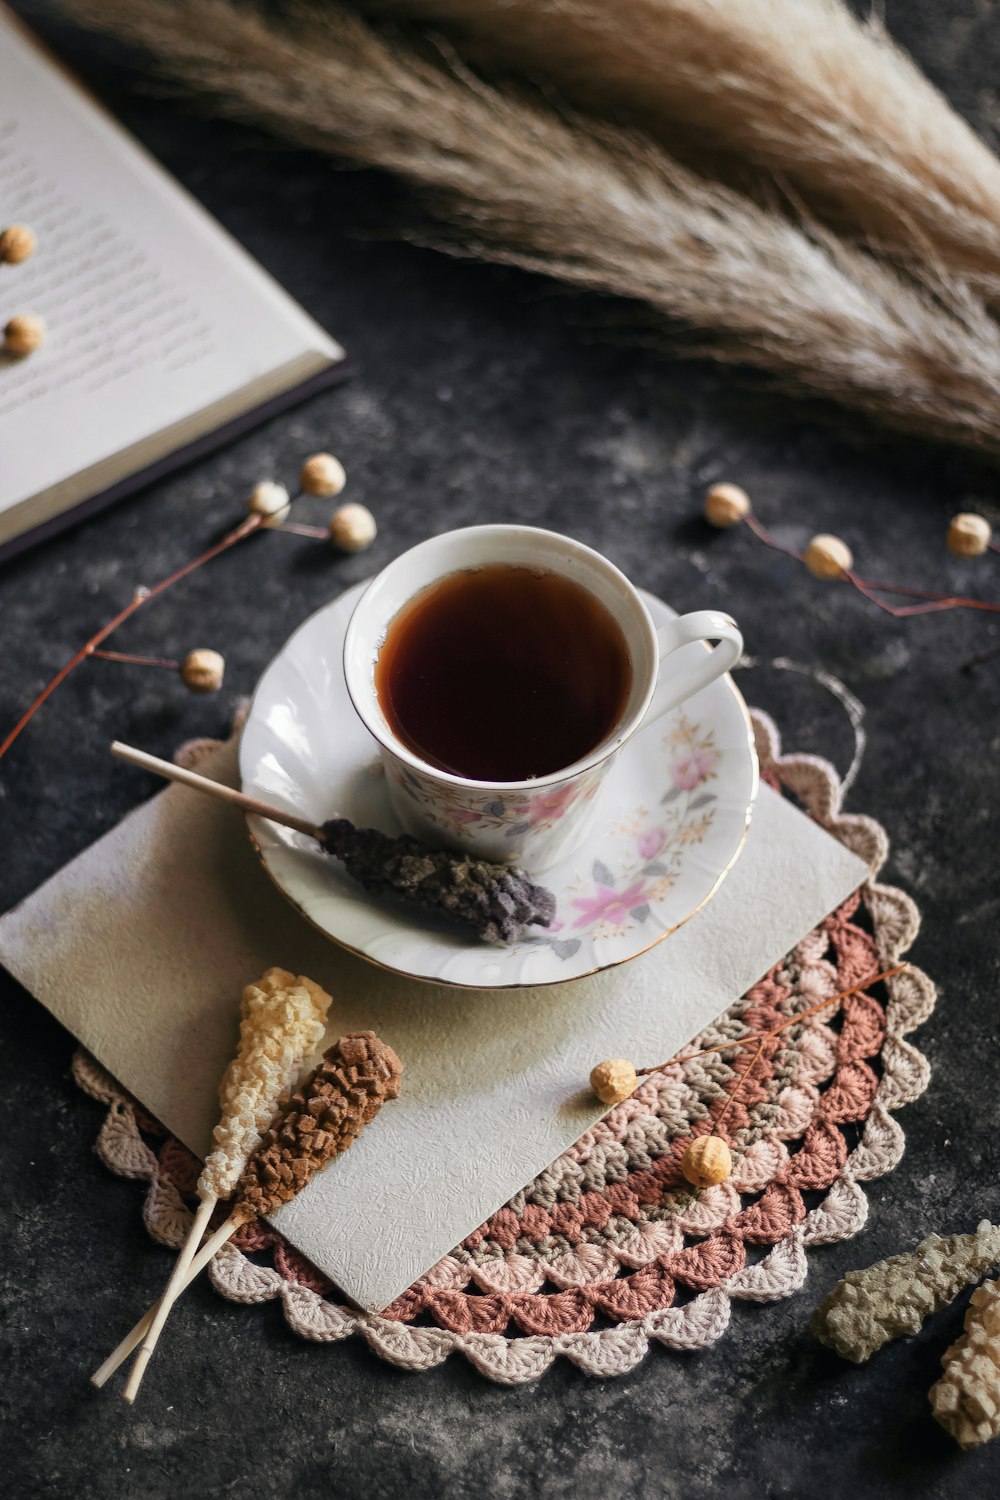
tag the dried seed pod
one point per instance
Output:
(202, 670)
(323, 1117)
(828, 557)
(966, 1399)
(352, 528)
(282, 1023)
(707, 1161)
(614, 1080)
(269, 500)
(726, 505)
(17, 242)
(322, 474)
(969, 535)
(871, 1307)
(23, 334)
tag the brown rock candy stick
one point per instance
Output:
(282, 1024)
(322, 1118)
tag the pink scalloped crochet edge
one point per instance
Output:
(703, 1320)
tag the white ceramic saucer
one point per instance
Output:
(671, 820)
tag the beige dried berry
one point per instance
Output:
(352, 528)
(613, 1080)
(202, 670)
(828, 557)
(969, 535)
(322, 474)
(23, 335)
(707, 1161)
(17, 242)
(269, 500)
(726, 505)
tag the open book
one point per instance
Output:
(163, 336)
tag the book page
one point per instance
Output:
(157, 322)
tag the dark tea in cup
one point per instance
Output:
(503, 673)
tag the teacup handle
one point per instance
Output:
(673, 688)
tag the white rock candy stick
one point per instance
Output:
(282, 1025)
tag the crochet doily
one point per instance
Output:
(610, 1249)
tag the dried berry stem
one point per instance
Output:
(739, 1084)
(142, 596)
(298, 529)
(936, 602)
(137, 661)
(765, 536)
(764, 1036)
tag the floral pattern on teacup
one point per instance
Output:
(511, 814)
(693, 767)
(606, 902)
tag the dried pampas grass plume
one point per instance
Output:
(600, 209)
(801, 88)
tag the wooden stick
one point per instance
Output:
(214, 788)
(134, 1339)
(171, 1292)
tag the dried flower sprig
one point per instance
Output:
(804, 89)
(515, 181)
(352, 528)
(496, 901)
(830, 559)
(323, 1118)
(871, 1307)
(283, 1019)
(142, 596)
(202, 670)
(708, 1160)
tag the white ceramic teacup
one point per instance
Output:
(537, 822)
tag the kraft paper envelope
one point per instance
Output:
(142, 944)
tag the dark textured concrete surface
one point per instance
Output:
(481, 394)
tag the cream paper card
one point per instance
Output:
(141, 946)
